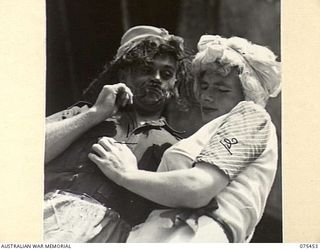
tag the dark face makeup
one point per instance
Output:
(152, 83)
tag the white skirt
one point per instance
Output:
(160, 229)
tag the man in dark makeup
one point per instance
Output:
(149, 66)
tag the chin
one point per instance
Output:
(207, 117)
(147, 109)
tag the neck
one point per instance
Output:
(137, 118)
(142, 118)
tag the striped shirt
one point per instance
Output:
(239, 140)
(243, 144)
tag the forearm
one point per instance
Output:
(60, 134)
(180, 188)
(193, 187)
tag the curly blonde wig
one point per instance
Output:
(259, 72)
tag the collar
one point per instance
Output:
(126, 120)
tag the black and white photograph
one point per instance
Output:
(186, 121)
(163, 122)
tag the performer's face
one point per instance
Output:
(218, 94)
(152, 83)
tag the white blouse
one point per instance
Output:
(243, 144)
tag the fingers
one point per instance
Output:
(119, 91)
(107, 142)
(105, 148)
(129, 95)
(122, 99)
(111, 144)
(123, 87)
(100, 150)
(98, 161)
(125, 93)
(94, 158)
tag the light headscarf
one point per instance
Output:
(259, 72)
(135, 35)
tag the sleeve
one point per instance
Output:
(239, 140)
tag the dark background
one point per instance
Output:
(82, 35)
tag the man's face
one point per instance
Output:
(219, 94)
(152, 83)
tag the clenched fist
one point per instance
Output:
(106, 105)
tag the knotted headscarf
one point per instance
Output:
(259, 72)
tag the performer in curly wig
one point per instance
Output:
(217, 181)
(81, 204)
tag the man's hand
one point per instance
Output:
(60, 133)
(113, 158)
(111, 98)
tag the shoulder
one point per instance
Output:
(248, 110)
(239, 140)
(247, 120)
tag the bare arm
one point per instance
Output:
(70, 112)
(191, 188)
(60, 134)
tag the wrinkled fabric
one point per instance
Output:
(241, 204)
(72, 171)
(190, 216)
(74, 218)
(240, 139)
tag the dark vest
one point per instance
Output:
(72, 170)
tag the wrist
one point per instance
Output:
(125, 179)
(97, 115)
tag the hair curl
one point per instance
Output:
(143, 53)
(259, 72)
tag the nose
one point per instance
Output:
(157, 75)
(206, 98)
